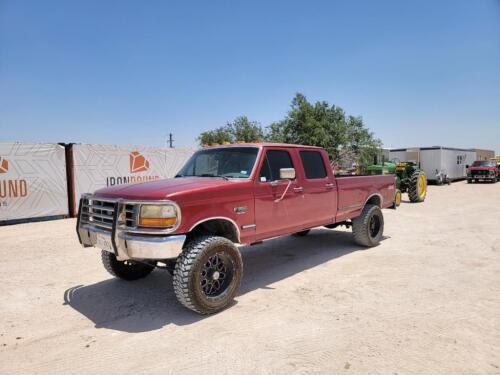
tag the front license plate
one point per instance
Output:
(104, 242)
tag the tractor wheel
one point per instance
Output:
(397, 199)
(417, 188)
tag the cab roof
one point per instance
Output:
(264, 144)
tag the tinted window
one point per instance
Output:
(273, 162)
(313, 164)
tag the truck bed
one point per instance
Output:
(354, 191)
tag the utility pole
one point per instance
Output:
(170, 140)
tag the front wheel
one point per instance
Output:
(127, 270)
(368, 228)
(208, 274)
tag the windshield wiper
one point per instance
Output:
(202, 175)
(213, 175)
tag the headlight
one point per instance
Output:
(162, 216)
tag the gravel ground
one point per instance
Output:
(427, 300)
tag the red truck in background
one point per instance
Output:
(223, 197)
(486, 170)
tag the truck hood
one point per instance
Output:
(162, 189)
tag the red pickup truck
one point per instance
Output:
(486, 170)
(224, 197)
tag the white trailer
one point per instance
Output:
(437, 161)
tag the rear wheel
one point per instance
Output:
(368, 228)
(126, 270)
(208, 274)
(417, 189)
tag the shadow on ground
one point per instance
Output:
(150, 303)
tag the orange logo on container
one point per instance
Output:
(4, 165)
(138, 162)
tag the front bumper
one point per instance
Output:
(126, 244)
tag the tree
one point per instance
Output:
(345, 138)
(216, 136)
(245, 130)
(240, 129)
(361, 141)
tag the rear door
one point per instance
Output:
(319, 188)
(273, 218)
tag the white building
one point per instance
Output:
(437, 161)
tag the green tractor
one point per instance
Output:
(409, 179)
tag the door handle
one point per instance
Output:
(298, 189)
(329, 185)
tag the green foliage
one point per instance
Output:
(217, 136)
(345, 138)
(241, 129)
(361, 141)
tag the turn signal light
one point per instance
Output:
(157, 221)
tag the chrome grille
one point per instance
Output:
(131, 215)
(480, 172)
(98, 212)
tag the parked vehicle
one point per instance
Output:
(409, 179)
(223, 197)
(485, 170)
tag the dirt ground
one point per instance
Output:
(426, 301)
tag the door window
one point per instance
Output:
(273, 162)
(313, 164)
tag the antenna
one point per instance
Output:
(170, 140)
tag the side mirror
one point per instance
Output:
(467, 166)
(287, 173)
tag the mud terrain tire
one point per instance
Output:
(126, 270)
(208, 274)
(368, 228)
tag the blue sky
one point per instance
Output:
(130, 72)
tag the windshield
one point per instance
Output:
(483, 163)
(228, 162)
